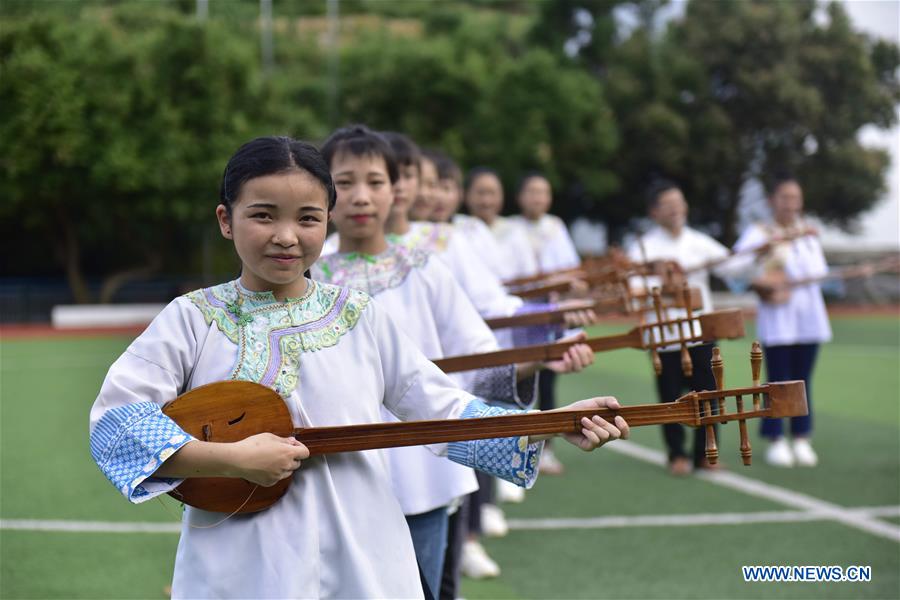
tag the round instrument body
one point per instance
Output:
(230, 411)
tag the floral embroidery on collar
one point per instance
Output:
(371, 274)
(270, 334)
(431, 237)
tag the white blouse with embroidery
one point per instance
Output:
(480, 284)
(518, 257)
(422, 297)
(550, 241)
(336, 359)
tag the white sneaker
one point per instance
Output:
(507, 491)
(493, 522)
(475, 563)
(804, 453)
(779, 454)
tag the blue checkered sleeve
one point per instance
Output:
(512, 458)
(130, 442)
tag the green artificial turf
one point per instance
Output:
(47, 387)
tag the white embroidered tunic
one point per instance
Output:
(482, 242)
(480, 284)
(550, 241)
(336, 359)
(518, 258)
(803, 319)
(420, 294)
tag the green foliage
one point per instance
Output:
(119, 130)
(119, 116)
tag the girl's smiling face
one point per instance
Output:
(535, 197)
(278, 227)
(406, 189)
(484, 198)
(423, 204)
(364, 198)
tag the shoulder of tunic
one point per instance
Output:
(372, 274)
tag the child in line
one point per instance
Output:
(428, 305)
(334, 357)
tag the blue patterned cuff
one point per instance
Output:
(130, 442)
(512, 458)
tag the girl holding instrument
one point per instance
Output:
(335, 358)
(792, 321)
(416, 290)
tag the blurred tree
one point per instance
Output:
(472, 86)
(114, 135)
(773, 88)
(734, 91)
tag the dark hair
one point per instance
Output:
(359, 140)
(477, 172)
(405, 150)
(778, 179)
(528, 177)
(446, 167)
(657, 188)
(269, 156)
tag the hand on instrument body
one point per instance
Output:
(266, 459)
(595, 431)
(576, 357)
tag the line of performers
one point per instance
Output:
(345, 329)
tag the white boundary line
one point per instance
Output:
(787, 516)
(88, 526)
(771, 492)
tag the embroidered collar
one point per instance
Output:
(270, 334)
(371, 274)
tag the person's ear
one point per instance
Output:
(224, 220)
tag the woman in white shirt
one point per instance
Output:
(790, 330)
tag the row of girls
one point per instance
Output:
(345, 338)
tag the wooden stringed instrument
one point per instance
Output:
(231, 411)
(624, 303)
(718, 325)
(774, 287)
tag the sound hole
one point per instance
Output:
(238, 420)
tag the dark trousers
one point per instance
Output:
(671, 384)
(787, 363)
(457, 531)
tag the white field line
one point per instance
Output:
(689, 520)
(516, 524)
(772, 493)
(88, 526)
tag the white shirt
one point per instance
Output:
(550, 242)
(422, 297)
(517, 258)
(690, 249)
(479, 283)
(803, 319)
(481, 241)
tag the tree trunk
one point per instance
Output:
(113, 283)
(729, 225)
(68, 253)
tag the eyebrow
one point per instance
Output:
(275, 207)
(368, 174)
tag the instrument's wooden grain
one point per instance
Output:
(234, 410)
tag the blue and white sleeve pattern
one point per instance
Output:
(511, 458)
(130, 442)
